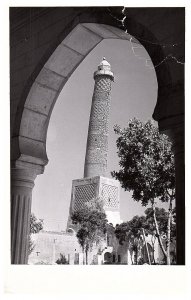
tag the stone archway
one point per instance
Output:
(51, 80)
(33, 115)
(38, 108)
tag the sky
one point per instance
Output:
(134, 94)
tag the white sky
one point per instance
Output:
(134, 94)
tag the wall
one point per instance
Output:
(51, 244)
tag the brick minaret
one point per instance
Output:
(95, 184)
(97, 141)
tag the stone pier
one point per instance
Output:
(22, 183)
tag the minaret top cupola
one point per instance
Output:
(104, 68)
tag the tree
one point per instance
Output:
(162, 220)
(35, 226)
(137, 236)
(91, 221)
(135, 231)
(132, 232)
(162, 217)
(147, 168)
(62, 260)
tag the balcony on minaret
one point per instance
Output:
(104, 68)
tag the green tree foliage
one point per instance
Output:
(147, 168)
(35, 226)
(166, 221)
(91, 221)
(62, 260)
(146, 162)
(122, 230)
(131, 231)
(162, 220)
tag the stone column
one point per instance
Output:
(22, 183)
(169, 112)
(177, 137)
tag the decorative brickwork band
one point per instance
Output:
(21, 196)
(98, 187)
(97, 141)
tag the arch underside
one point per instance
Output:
(30, 145)
(72, 43)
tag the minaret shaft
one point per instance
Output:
(97, 141)
(95, 183)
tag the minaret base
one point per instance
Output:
(106, 189)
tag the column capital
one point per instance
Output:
(23, 177)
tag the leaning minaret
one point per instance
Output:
(95, 184)
(97, 141)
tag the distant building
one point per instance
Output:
(50, 244)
